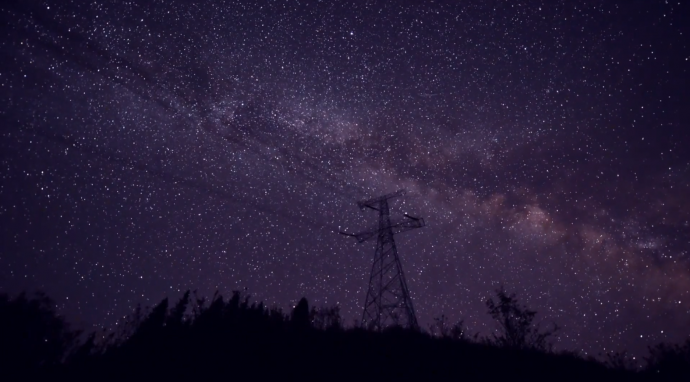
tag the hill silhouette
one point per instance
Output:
(236, 339)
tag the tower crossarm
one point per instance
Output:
(374, 202)
(402, 226)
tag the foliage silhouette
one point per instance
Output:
(300, 315)
(669, 362)
(517, 329)
(235, 338)
(32, 335)
(325, 318)
(441, 328)
(621, 361)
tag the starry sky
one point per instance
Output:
(150, 147)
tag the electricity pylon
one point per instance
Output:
(388, 301)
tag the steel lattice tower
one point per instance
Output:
(388, 301)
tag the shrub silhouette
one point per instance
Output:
(32, 336)
(325, 318)
(620, 361)
(669, 362)
(226, 339)
(517, 329)
(442, 328)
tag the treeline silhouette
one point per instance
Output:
(236, 339)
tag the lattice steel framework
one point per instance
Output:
(388, 301)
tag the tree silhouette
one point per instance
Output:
(516, 324)
(32, 335)
(669, 362)
(620, 361)
(325, 318)
(442, 328)
(300, 315)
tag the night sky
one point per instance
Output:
(150, 147)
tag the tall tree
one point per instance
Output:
(516, 324)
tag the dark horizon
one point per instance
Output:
(218, 338)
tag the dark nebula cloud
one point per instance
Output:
(152, 147)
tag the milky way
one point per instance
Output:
(151, 148)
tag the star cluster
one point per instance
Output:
(152, 147)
